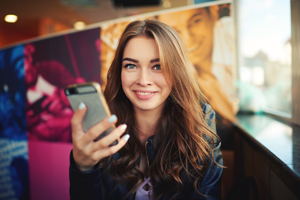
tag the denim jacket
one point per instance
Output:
(95, 185)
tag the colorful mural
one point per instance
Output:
(35, 132)
(14, 178)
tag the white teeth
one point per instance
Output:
(144, 93)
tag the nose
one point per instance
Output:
(144, 77)
(186, 36)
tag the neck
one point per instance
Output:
(146, 123)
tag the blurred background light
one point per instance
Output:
(166, 4)
(11, 18)
(79, 25)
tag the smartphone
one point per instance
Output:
(97, 109)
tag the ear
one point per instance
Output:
(214, 12)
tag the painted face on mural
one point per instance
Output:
(196, 28)
(110, 35)
(143, 81)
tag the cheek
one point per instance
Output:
(163, 82)
(209, 29)
(122, 79)
(126, 80)
(196, 30)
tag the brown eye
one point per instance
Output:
(196, 20)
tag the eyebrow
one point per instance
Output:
(197, 14)
(130, 59)
(136, 61)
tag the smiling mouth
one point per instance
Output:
(144, 93)
(195, 47)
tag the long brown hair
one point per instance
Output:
(182, 138)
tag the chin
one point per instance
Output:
(145, 108)
(149, 107)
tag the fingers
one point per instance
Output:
(99, 128)
(76, 121)
(86, 151)
(108, 151)
(110, 138)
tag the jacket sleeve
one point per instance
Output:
(85, 185)
(211, 183)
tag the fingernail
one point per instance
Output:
(81, 106)
(112, 118)
(126, 137)
(123, 127)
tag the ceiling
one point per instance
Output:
(69, 11)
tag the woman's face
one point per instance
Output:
(143, 81)
(196, 29)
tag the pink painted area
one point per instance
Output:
(49, 170)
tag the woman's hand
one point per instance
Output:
(86, 151)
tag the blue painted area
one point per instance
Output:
(14, 179)
(12, 94)
(202, 1)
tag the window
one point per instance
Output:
(264, 52)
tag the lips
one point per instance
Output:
(144, 95)
(195, 47)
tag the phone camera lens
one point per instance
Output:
(73, 91)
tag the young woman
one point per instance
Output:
(168, 147)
